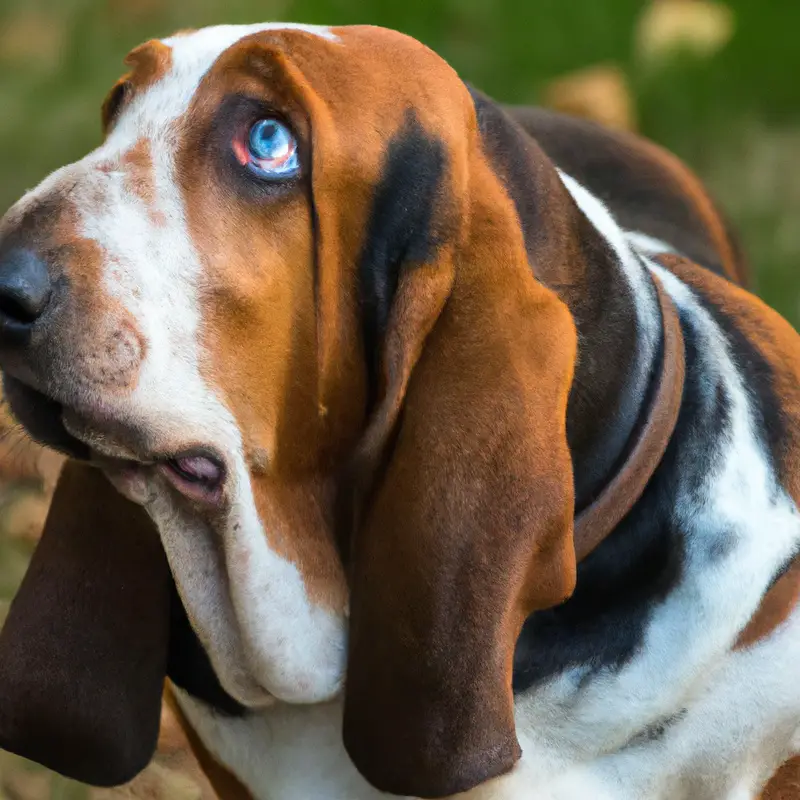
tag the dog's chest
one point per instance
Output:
(685, 716)
(734, 724)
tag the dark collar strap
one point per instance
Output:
(597, 520)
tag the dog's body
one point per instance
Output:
(598, 671)
(667, 669)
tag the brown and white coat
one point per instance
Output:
(493, 431)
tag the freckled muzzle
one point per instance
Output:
(65, 342)
(71, 351)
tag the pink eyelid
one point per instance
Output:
(240, 151)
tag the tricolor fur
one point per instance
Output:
(447, 271)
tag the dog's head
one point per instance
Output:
(287, 307)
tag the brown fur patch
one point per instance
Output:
(298, 521)
(475, 346)
(785, 784)
(281, 333)
(102, 341)
(149, 62)
(259, 324)
(99, 339)
(775, 608)
(137, 163)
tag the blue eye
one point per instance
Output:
(270, 150)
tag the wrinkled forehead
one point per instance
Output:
(167, 73)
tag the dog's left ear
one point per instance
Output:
(468, 525)
(83, 652)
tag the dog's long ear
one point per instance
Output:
(83, 651)
(469, 529)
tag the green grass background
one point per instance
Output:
(735, 117)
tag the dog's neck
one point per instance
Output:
(614, 303)
(576, 248)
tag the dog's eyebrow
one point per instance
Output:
(149, 63)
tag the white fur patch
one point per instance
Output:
(648, 245)
(288, 752)
(603, 221)
(194, 53)
(737, 731)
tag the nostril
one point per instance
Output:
(18, 309)
(25, 288)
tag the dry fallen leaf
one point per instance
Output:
(599, 93)
(21, 459)
(702, 27)
(24, 516)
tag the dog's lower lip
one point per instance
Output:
(40, 416)
(197, 475)
(197, 468)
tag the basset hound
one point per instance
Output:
(425, 447)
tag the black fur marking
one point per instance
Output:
(189, 667)
(641, 195)
(635, 568)
(721, 545)
(603, 623)
(401, 227)
(655, 733)
(605, 415)
(769, 417)
(767, 410)
(117, 98)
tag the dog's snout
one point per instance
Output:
(25, 292)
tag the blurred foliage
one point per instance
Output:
(734, 116)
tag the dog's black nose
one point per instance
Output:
(25, 290)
